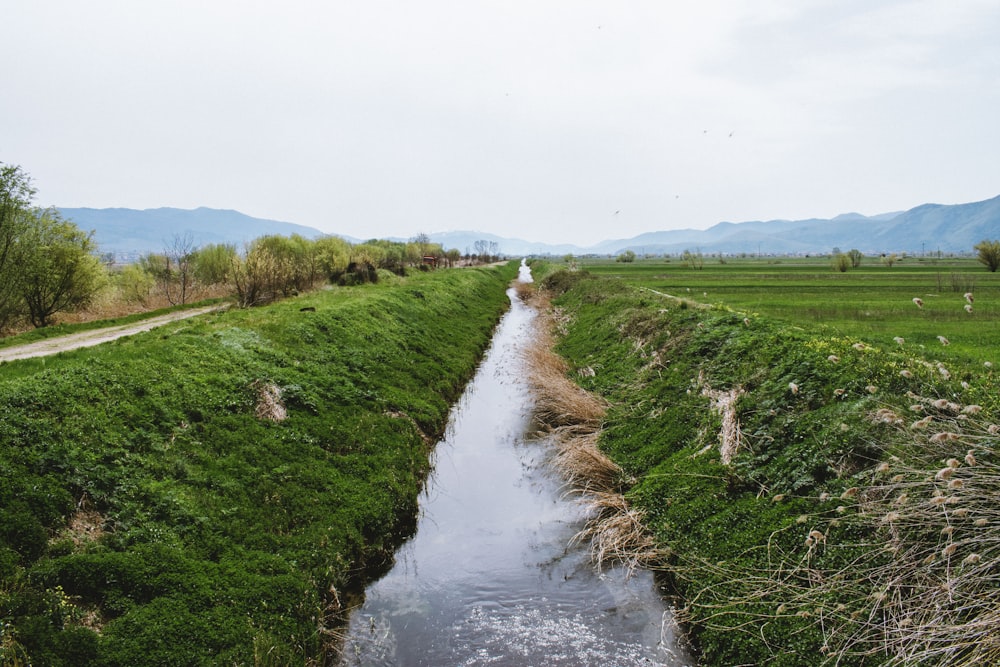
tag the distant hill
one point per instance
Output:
(130, 233)
(924, 229)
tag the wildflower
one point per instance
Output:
(871, 389)
(823, 497)
(948, 530)
(961, 512)
(949, 550)
(944, 341)
(922, 423)
(901, 500)
(817, 535)
(945, 373)
(841, 509)
(746, 321)
(896, 479)
(850, 493)
(971, 559)
(781, 609)
(965, 385)
(968, 297)
(899, 340)
(993, 429)
(941, 403)
(944, 437)
(792, 387)
(882, 467)
(979, 523)
(891, 517)
(930, 559)
(953, 463)
(858, 346)
(968, 308)
(938, 500)
(944, 473)
(970, 458)
(916, 407)
(988, 364)
(778, 498)
(802, 518)
(972, 409)
(833, 358)
(905, 373)
(920, 302)
(956, 484)
(839, 392)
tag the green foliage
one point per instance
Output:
(152, 513)
(817, 411)
(627, 257)
(988, 253)
(57, 267)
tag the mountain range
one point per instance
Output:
(954, 228)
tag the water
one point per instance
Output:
(489, 577)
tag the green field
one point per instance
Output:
(873, 302)
(210, 492)
(854, 521)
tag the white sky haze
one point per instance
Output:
(538, 120)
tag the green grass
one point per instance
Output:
(872, 303)
(217, 537)
(736, 531)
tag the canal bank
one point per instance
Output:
(491, 575)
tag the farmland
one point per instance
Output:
(873, 302)
(817, 492)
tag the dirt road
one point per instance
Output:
(96, 337)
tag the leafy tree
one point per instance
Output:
(213, 263)
(841, 262)
(988, 253)
(333, 254)
(16, 194)
(855, 256)
(628, 257)
(57, 266)
(695, 260)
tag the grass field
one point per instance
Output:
(209, 492)
(818, 493)
(873, 302)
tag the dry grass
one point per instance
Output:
(269, 404)
(574, 417)
(617, 533)
(558, 400)
(585, 467)
(925, 586)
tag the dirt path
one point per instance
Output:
(96, 337)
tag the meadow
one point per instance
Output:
(873, 302)
(815, 492)
(213, 491)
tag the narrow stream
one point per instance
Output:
(489, 577)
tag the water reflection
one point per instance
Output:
(488, 578)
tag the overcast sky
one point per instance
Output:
(575, 120)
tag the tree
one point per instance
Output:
(628, 257)
(841, 262)
(58, 269)
(988, 254)
(855, 256)
(16, 194)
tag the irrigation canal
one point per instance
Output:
(490, 577)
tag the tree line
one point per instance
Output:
(49, 266)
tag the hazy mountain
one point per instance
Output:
(927, 228)
(129, 232)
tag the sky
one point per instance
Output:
(551, 121)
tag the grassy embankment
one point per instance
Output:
(207, 492)
(853, 516)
